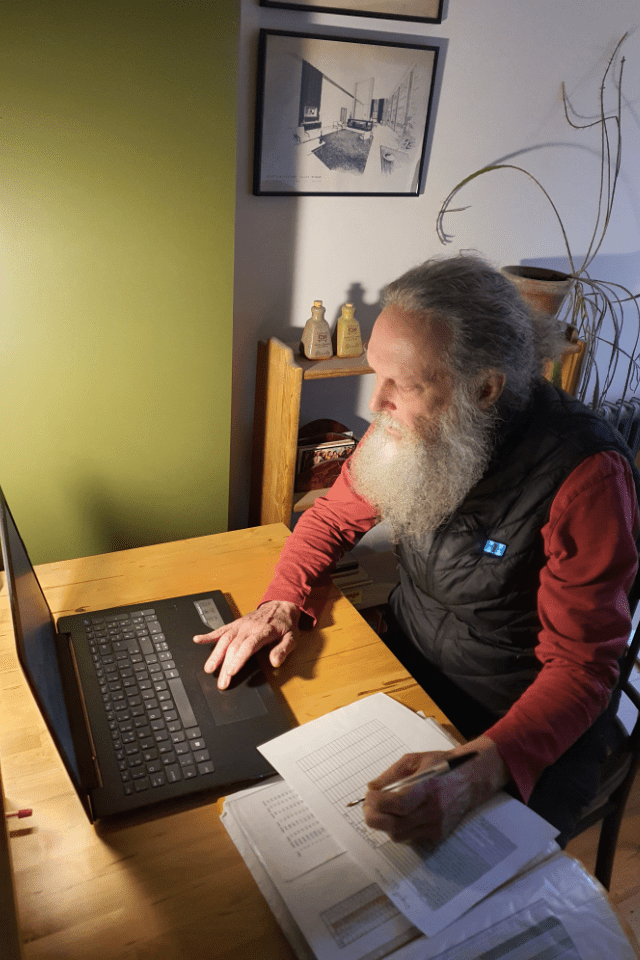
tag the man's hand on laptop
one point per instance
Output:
(275, 620)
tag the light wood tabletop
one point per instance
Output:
(167, 886)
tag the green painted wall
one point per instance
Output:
(117, 179)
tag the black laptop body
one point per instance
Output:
(124, 695)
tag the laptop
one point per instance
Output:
(123, 692)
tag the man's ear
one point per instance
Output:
(491, 387)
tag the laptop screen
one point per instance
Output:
(36, 638)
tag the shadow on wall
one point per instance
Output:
(339, 398)
(335, 398)
(122, 519)
(365, 313)
(266, 271)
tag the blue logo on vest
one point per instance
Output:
(495, 548)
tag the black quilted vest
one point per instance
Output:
(473, 614)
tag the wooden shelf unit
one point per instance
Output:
(280, 372)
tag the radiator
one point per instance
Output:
(625, 415)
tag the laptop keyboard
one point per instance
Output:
(156, 738)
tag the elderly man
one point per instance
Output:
(514, 510)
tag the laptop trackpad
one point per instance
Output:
(240, 701)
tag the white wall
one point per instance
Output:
(502, 67)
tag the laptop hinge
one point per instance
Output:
(87, 759)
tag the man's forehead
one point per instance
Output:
(411, 337)
(431, 330)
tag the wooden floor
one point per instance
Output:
(625, 882)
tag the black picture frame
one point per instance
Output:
(383, 9)
(320, 128)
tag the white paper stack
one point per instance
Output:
(498, 887)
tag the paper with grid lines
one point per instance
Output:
(329, 761)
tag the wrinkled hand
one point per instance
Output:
(432, 810)
(235, 642)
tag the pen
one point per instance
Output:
(435, 771)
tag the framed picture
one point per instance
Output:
(423, 11)
(341, 117)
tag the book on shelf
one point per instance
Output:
(351, 578)
(323, 446)
(498, 887)
(348, 561)
(355, 595)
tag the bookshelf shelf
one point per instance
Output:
(280, 373)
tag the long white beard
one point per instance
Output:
(417, 481)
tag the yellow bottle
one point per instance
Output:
(316, 337)
(349, 341)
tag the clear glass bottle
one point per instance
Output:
(316, 337)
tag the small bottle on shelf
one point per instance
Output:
(348, 338)
(316, 337)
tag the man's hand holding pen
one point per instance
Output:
(432, 808)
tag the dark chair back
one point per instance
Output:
(621, 766)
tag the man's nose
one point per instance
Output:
(379, 399)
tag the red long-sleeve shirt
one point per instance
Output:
(589, 543)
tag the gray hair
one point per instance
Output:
(492, 327)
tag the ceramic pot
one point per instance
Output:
(546, 290)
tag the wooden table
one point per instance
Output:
(170, 887)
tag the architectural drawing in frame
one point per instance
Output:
(423, 11)
(341, 117)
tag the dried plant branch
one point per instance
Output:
(593, 301)
(444, 238)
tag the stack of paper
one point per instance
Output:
(341, 890)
